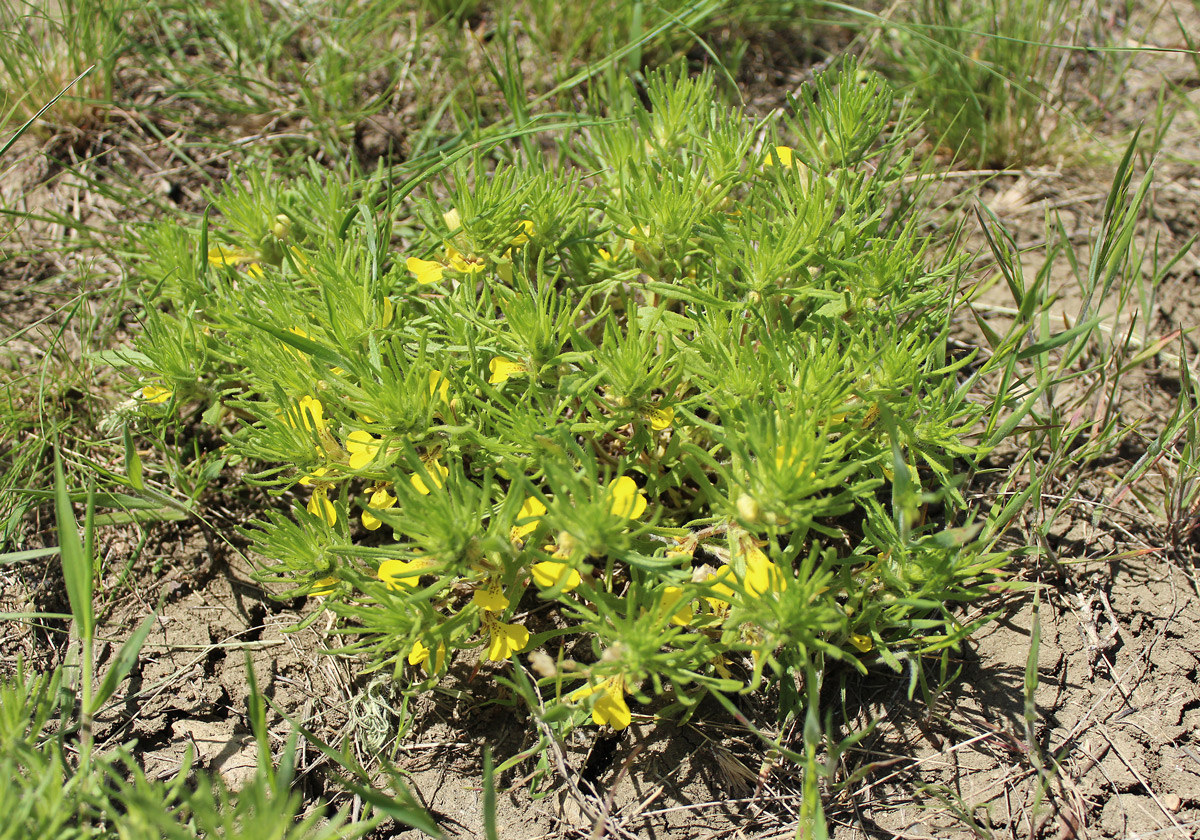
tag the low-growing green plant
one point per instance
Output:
(61, 786)
(672, 414)
(49, 793)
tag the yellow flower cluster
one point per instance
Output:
(427, 272)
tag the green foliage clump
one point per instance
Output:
(988, 75)
(670, 410)
(48, 793)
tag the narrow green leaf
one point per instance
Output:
(126, 658)
(160, 514)
(489, 797)
(1058, 339)
(44, 109)
(32, 554)
(133, 462)
(77, 566)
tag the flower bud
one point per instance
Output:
(542, 664)
(281, 226)
(748, 508)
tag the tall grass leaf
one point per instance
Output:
(77, 566)
(489, 797)
(1058, 339)
(31, 554)
(126, 658)
(133, 462)
(16, 136)
(400, 805)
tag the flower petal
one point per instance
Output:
(154, 394)
(863, 643)
(612, 710)
(230, 255)
(363, 447)
(466, 263)
(320, 506)
(425, 271)
(419, 655)
(762, 575)
(683, 616)
(660, 418)
(437, 474)
(398, 574)
(324, 586)
(506, 639)
(439, 386)
(526, 231)
(625, 499)
(722, 592)
(380, 499)
(503, 370)
(492, 598)
(531, 511)
(310, 479)
(783, 155)
(549, 573)
(308, 413)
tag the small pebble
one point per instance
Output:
(1172, 802)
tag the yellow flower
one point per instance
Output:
(525, 227)
(659, 418)
(380, 499)
(154, 394)
(398, 574)
(308, 413)
(863, 643)
(437, 474)
(722, 592)
(531, 511)
(439, 386)
(625, 499)
(684, 549)
(610, 708)
(783, 154)
(324, 586)
(230, 255)
(310, 480)
(425, 271)
(419, 655)
(363, 447)
(550, 573)
(452, 220)
(320, 506)
(464, 263)
(762, 575)
(503, 370)
(683, 616)
(505, 639)
(491, 598)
